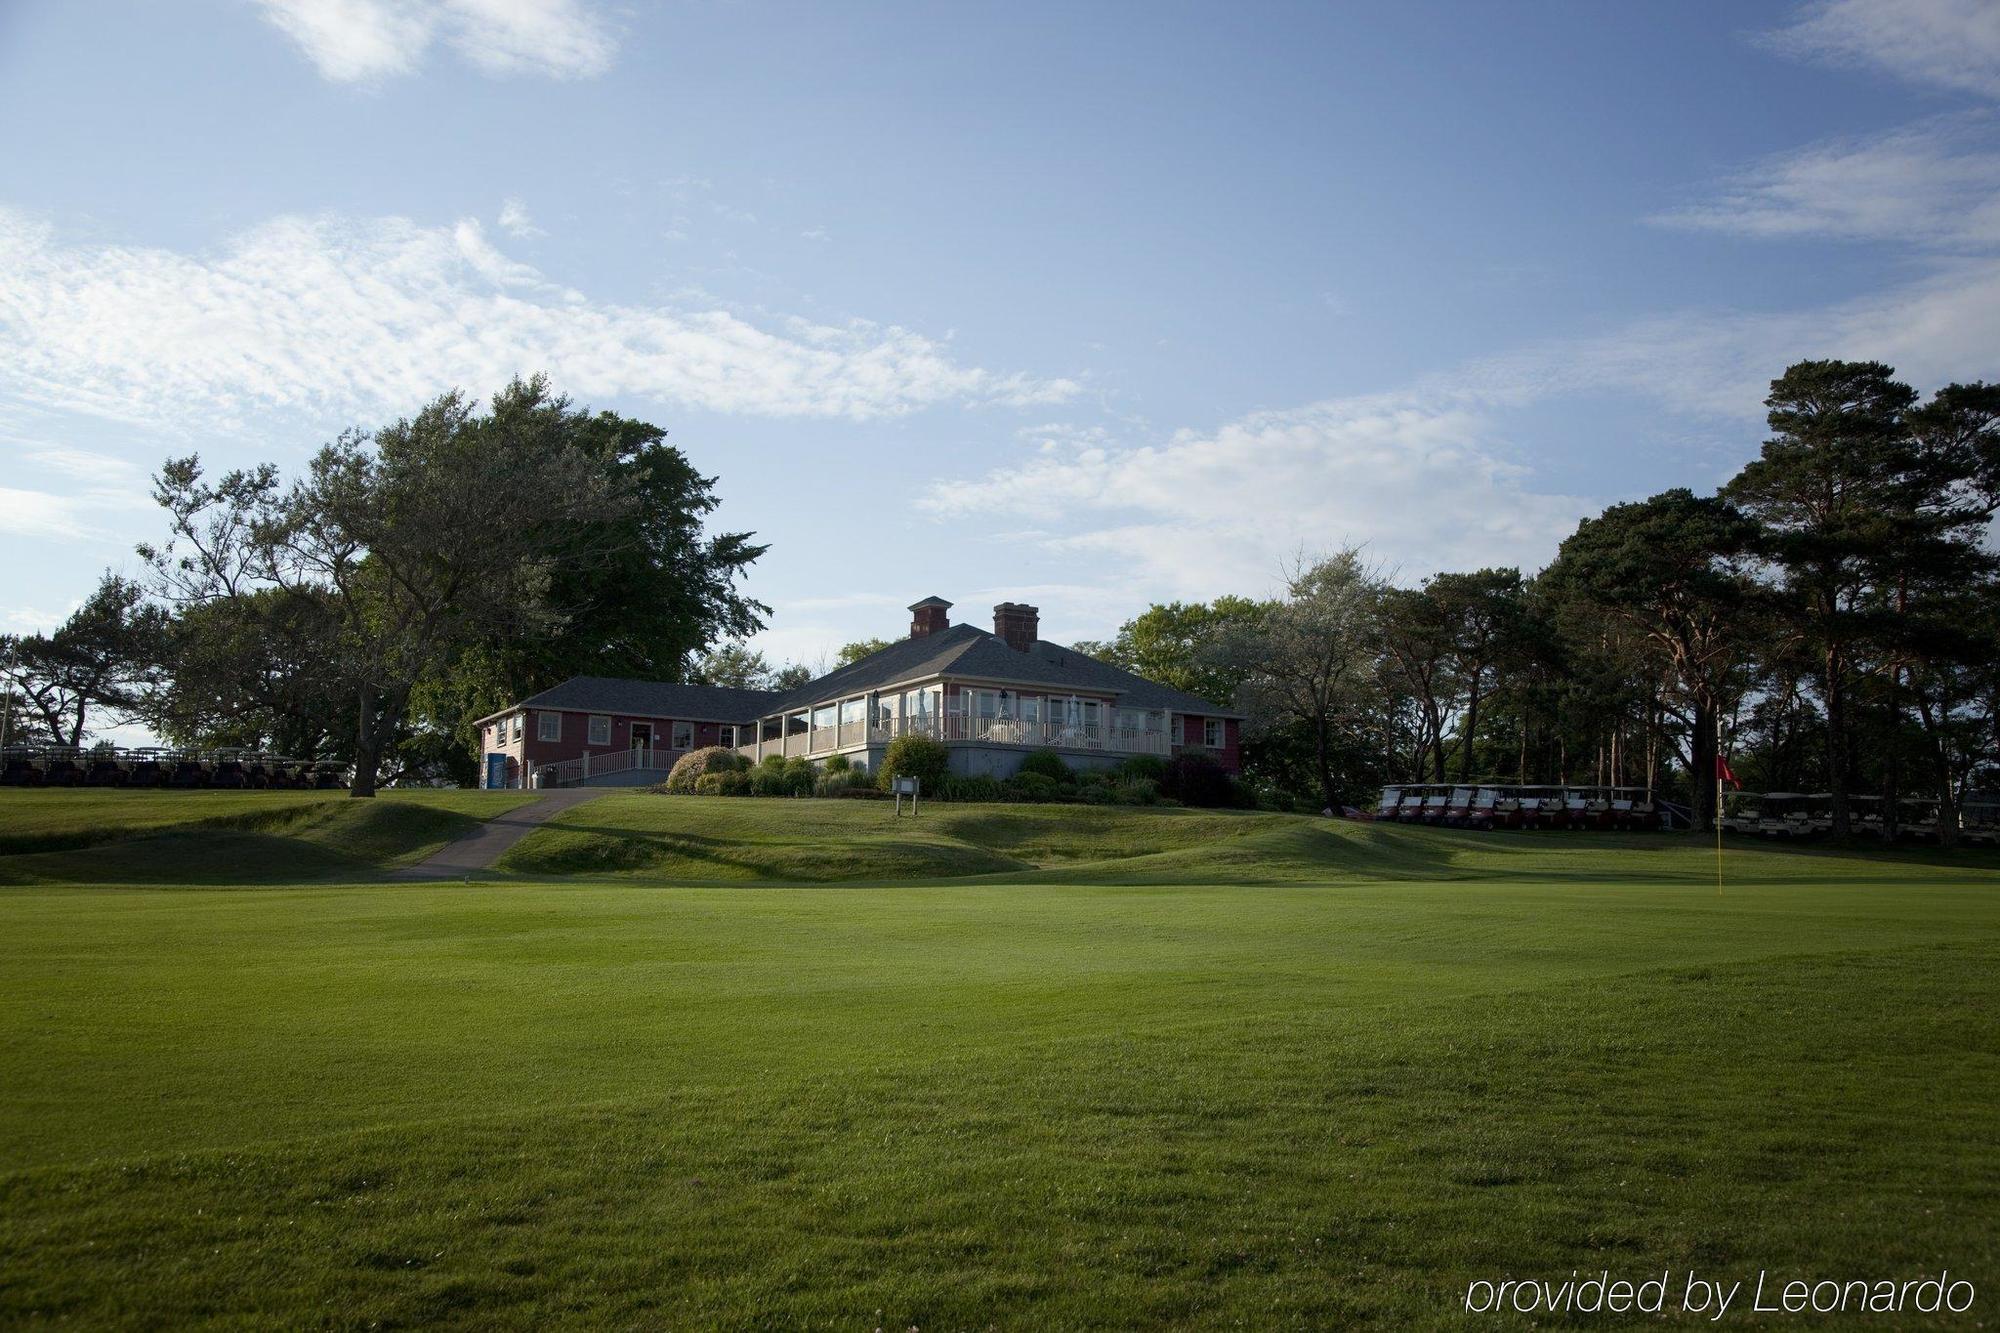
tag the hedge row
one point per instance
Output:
(1189, 779)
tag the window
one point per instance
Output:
(725, 735)
(1030, 707)
(600, 731)
(771, 729)
(683, 736)
(852, 710)
(1212, 733)
(983, 703)
(1180, 729)
(517, 726)
(548, 726)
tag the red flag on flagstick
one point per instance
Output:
(1722, 773)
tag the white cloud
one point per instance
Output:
(516, 221)
(25, 513)
(1941, 327)
(1430, 478)
(1932, 184)
(1418, 481)
(358, 41)
(1951, 44)
(92, 484)
(346, 317)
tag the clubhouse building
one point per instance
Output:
(991, 696)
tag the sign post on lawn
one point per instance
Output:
(907, 787)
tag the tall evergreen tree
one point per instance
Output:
(1670, 569)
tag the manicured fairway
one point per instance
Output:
(1326, 1080)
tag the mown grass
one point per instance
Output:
(1380, 1063)
(218, 837)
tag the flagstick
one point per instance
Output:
(1718, 797)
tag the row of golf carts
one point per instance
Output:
(108, 766)
(1498, 807)
(1785, 814)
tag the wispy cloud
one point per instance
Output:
(362, 41)
(376, 315)
(1952, 44)
(94, 487)
(1432, 477)
(28, 513)
(1933, 184)
(1413, 478)
(517, 222)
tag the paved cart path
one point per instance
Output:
(479, 849)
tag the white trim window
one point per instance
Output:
(600, 730)
(548, 726)
(517, 725)
(1213, 734)
(683, 736)
(725, 735)
(1180, 729)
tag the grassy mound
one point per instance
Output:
(716, 838)
(210, 837)
(694, 839)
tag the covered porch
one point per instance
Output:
(967, 713)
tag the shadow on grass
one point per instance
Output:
(573, 849)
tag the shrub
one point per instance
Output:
(1143, 766)
(838, 763)
(800, 777)
(1135, 791)
(1047, 764)
(769, 780)
(1268, 796)
(687, 772)
(979, 788)
(917, 757)
(708, 784)
(736, 782)
(1026, 786)
(846, 782)
(1196, 779)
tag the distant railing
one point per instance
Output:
(571, 772)
(1030, 733)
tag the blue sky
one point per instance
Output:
(1083, 305)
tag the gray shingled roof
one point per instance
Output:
(967, 650)
(962, 650)
(647, 698)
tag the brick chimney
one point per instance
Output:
(930, 616)
(1017, 625)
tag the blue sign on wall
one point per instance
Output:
(496, 771)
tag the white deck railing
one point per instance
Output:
(1035, 735)
(570, 772)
